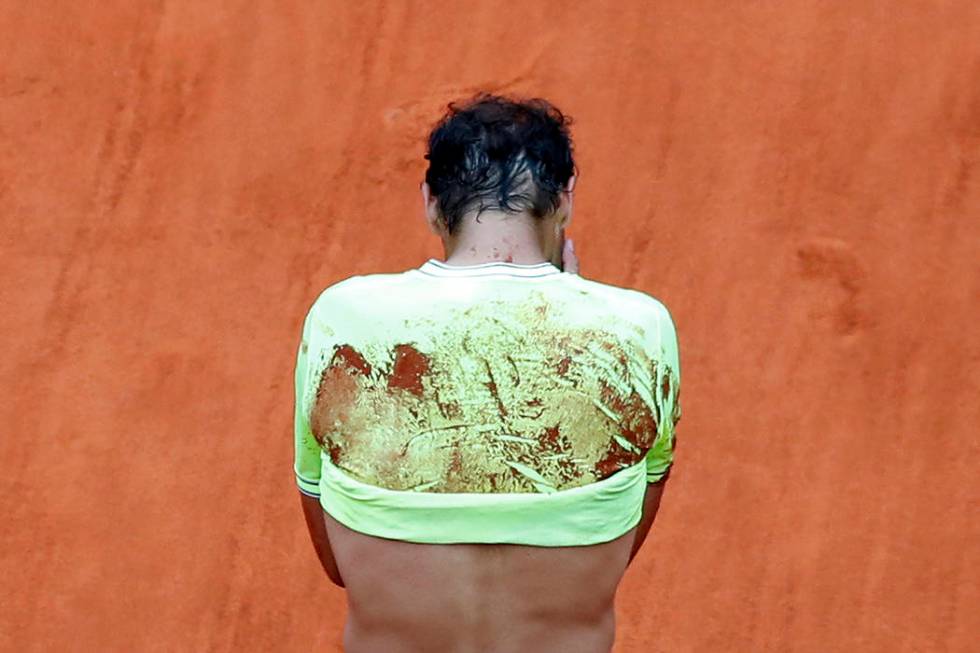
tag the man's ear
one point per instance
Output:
(430, 206)
(566, 202)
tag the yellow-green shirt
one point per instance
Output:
(497, 402)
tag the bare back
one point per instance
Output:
(458, 598)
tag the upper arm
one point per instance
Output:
(306, 449)
(315, 524)
(651, 504)
(666, 392)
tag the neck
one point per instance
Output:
(498, 236)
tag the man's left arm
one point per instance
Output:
(317, 527)
(307, 465)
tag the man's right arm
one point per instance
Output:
(651, 503)
(660, 456)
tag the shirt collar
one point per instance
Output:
(436, 268)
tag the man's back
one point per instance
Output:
(482, 436)
(474, 598)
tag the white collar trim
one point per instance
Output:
(438, 268)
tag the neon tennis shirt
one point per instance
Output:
(488, 403)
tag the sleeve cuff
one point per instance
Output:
(308, 486)
(653, 477)
(657, 468)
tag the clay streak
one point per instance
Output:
(492, 386)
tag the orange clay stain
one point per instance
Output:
(569, 470)
(616, 351)
(550, 438)
(337, 392)
(335, 451)
(456, 461)
(563, 366)
(449, 409)
(616, 458)
(409, 368)
(637, 422)
(350, 359)
(334, 398)
(492, 387)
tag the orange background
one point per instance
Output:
(796, 180)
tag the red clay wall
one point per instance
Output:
(797, 181)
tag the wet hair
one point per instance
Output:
(496, 152)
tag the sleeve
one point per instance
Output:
(667, 393)
(306, 462)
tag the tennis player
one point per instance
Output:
(482, 442)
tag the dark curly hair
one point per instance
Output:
(495, 152)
